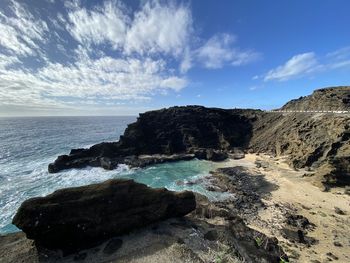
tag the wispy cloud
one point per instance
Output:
(21, 33)
(296, 66)
(339, 58)
(309, 63)
(219, 51)
(106, 24)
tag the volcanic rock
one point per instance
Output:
(313, 140)
(80, 217)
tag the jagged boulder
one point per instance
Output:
(75, 218)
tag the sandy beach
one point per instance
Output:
(296, 193)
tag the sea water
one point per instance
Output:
(28, 145)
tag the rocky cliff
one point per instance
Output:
(182, 132)
(178, 133)
(309, 140)
(335, 99)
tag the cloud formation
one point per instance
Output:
(218, 51)
(298, 65)
(21, 34)
(103, 54)
(309, 63)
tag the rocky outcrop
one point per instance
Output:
(308, 140)
(204, 235)
(329, 99)
(207, 133)
(81, 217)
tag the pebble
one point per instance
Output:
(337, 244)
(339, 211)
(332, 256)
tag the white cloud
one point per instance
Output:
(218, 51)
(104, 24)
(159, 28)
(156, 28)
(104, 55)
(7, 61)
(339, 58)
(308, 63)
(106, 78)
(186, 62)
(174, 83)
(20, 33)
(297, 66)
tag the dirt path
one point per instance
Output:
(296, 194)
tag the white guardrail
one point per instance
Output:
(310, 111)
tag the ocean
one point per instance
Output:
(28, 145)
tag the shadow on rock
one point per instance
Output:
(247, 186)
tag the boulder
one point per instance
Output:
(76, 218)
(237, 154)
(215, 155)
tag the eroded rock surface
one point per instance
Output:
(80, 217)
(309, 140)
(181, 132)
(204, 235)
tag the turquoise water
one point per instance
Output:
(28, 145)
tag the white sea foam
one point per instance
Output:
(29, 145)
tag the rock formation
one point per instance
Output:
(329, 99)
(308, 139)
(181, 133)
(207, 234)
(205, 133)
(81, 217)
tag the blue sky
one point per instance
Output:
(124, 57)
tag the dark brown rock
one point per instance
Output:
(299, 221)
(208, 133)
(308, 140)
(245, 242)
(339, 211)
(81, 217)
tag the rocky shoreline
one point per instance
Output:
(251, 223)
(124, 221)
(68, 225)
(318, 142)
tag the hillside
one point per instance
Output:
(329, 99)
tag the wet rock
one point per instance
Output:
(81, 217)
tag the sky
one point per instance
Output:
(114, 57)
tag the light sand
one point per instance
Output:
(297, 193)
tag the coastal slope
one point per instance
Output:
(320, 141)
